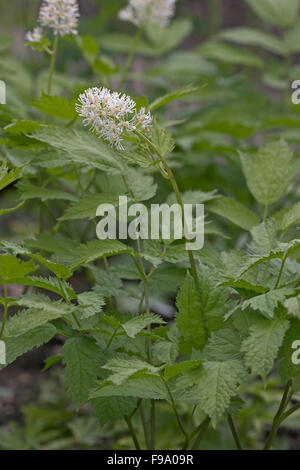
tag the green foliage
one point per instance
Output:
(270, 171)
(267, 303)
(82, 358)
(224, 134)
(8, 177)
(234, 211)
(263, 343)
(279, 12)
(80, 147)
(254, 37)
(189, 318)
(217, 383)
(11, 267)
(55, 106)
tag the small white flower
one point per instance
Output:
(155, 11)
(60, 15)
(145, 120)
(111, 114)
(35, 35)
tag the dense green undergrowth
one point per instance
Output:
(220, 371)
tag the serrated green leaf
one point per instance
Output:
(133, 326)
(56, 106)
(201, 310)
(150, 387)
(223, 345)
(141, 186)
(82, 358)
(270, 171)
(109, 284)
(267, 303)
(17, 346)
(90, 303)
(262, 345)
(87, 206)
(8, 177)
(109, 409)
(293, 306)
(27, 320)
(234, 211)
(97, 249)
(162, 139)
(218, 384)
(288, 217)
(51, 284)
(180, 367)
(81, 147)
(189, 318)
(123, 369)
(61, 271)
(28, 191)
(265, 234)
(11, 267)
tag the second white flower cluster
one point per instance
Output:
(59, 15)
(111, 115)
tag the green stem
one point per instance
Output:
(112, 337)
(5, 311)
(144, 424)
(234, 432)
(193, 434)
(202, 430)
(173, 404)
(278, 417)
(281, 271)
(141, 268)
(66, 297)
(52, 64)
(152, 425)
(130, 57)
(288, 413)
(150, 359)
(132, 433)
(178, 197)
(42, 171)
(113, 300)
(266, 212)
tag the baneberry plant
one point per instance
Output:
(149, 328)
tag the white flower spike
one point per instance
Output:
(111, 114)
(35, 35)
(60, 15)
(143, 11)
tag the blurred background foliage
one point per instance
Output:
(242, 57)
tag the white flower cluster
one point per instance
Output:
(60, 15)
(111, 114)
(35, 35)
(155, 11)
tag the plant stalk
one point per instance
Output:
(234, 432)
(278, 417)
(130, 57)
(5, 311)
